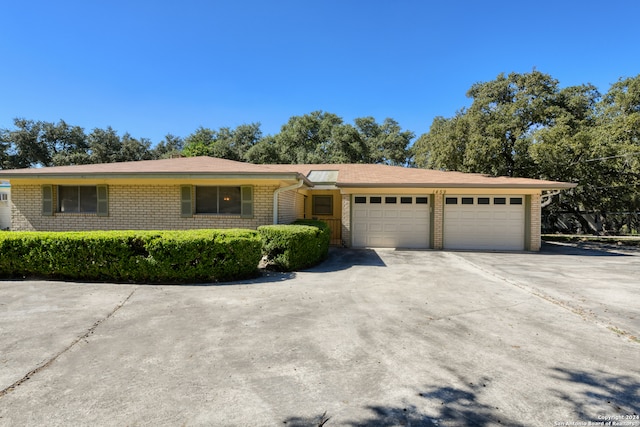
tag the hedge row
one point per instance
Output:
(162, 256)
(132, 256)
(296, 246)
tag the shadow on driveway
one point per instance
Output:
(590, 249)
(600, 395)
(344, 258)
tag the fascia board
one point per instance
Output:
(553, 186)
(152, 176)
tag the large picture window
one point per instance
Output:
(77, 199)
(218, 200)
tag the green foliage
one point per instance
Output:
(526, 125)
(295, 246)
(37, 143)
(494, 135)
(321, 137)
(132, 256)
(317, 137)
(224, 143)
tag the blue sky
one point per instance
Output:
(156, 67)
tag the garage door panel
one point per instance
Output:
(408, 214)
(391, 224)
(375, 227)
(484, 216)
(360, 213)
(484, 227)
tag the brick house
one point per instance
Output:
(365, 205)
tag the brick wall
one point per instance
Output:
(133, 207)
(438, 220)
(346, 219)
(535, 242)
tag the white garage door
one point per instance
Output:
(484, 222)
(390, 221)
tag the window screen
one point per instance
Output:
(218, 200)
(322, 205)
(77, 199)
(229, 201)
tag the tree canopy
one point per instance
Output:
(526, 125)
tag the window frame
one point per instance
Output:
(500, 201)
(194, 201)
(99, 206)
(327, 209)
(188, 201)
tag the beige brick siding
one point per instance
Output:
(438, 220)
(134, 207)
(346, 219)
(536, 225)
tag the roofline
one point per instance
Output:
(161, 175)
(562, 186)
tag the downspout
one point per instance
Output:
(275, 197)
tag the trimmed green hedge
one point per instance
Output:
(132, 256)
(295, 246)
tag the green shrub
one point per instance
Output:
(295, 246)
(132, 256)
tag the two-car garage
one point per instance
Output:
(483, 222)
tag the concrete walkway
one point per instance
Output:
(368, 338)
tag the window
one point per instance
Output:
(515, 201)
(391, 200)
(77, 199)
(499, 201)
(376, 200)
(4, 197)
(322, 205)
(483, 200)
(421, 200)
(360, 199)
(467, 200)
(451, 201)
(406, 200)
(218, 200)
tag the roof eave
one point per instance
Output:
(549, 186)
(160, 175)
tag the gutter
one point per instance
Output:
(276, 193)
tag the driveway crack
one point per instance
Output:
(577, 310)
(48, 362)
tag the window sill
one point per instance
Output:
(75, 214)
(212, 215)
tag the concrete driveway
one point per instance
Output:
(369, 338)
